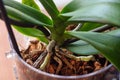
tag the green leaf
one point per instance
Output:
(108, 44)
(82, 48)
(89, 26)
(24, 13)
(50, 8)
(31, 3)
(78, 4)
(103, 11)
(32, 32)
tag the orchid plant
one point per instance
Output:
(84, 39)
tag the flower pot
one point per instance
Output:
(24, 71)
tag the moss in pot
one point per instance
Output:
(66, 47)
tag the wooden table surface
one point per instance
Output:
(6, 67)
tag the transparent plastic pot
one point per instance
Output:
(24, 71)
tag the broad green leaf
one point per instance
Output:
(32, 32)
(103, 11)
(26, 14)
(82, 48)
(31, 3)
(78, 4)
(50, 8)
(89, 26)
(108, 44)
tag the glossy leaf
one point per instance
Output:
(103, 11)
(31, 3)
(82, 48)
(108, 44)
(32, 32)
(50, 8)
(78, 4)
(25, 13)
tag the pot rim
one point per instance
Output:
(61, 76)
